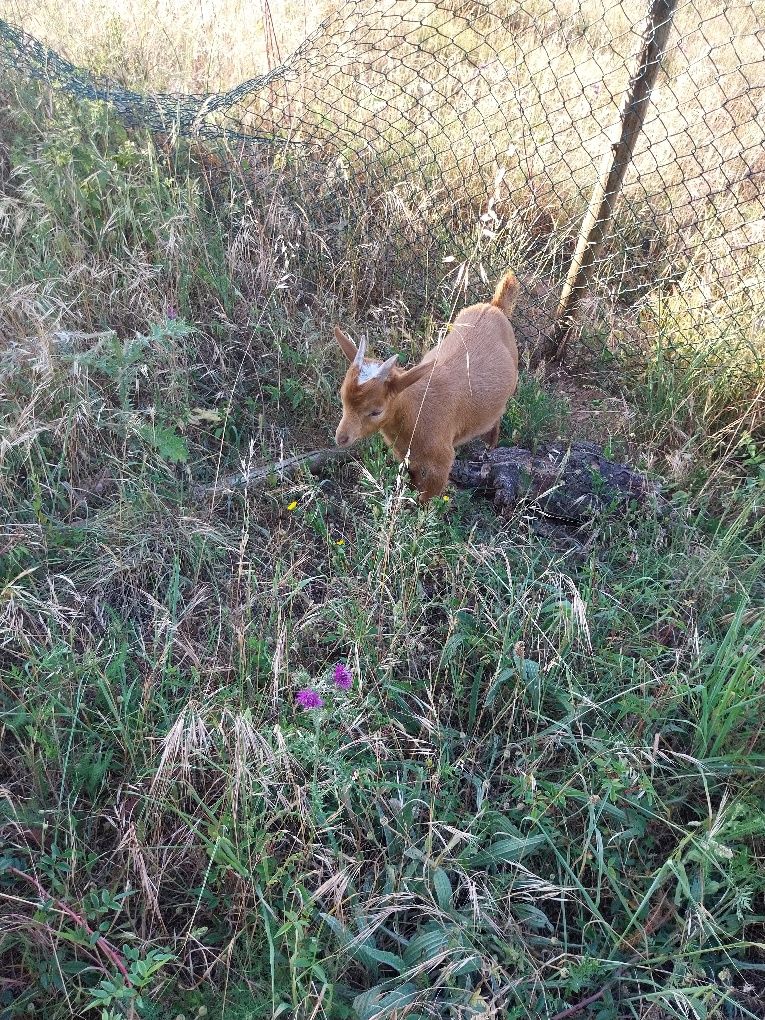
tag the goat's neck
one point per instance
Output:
(399, 425)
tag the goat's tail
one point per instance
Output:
(506, 294)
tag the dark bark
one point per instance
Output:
(571, 481)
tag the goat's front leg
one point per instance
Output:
(430, 477)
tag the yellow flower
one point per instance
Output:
(340, 541)
(292, 505)
(446, 498)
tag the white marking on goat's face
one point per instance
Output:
(379, 370)
(368, 370)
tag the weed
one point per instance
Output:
(534, 415)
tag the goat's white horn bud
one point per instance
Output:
(385, 369)
(359, 359)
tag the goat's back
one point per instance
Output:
(474, 375)
(484, 332)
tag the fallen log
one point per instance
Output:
(277, 471)
(570, 481)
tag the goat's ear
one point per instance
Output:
(404, 379)
(348, 346)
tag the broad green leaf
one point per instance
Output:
(364, 952)
(531, 915)
(508, 850)
(467, 966)
(443, 888)
(425, 945)
(377, 1004)
(501, 678)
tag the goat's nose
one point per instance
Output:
(341, 438)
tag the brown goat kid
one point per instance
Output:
(458, 392)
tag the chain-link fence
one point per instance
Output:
(470, 135)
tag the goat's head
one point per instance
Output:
(368, 391)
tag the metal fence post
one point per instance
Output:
(614, 167)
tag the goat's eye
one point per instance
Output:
(375, 414)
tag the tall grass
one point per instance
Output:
(545, 785)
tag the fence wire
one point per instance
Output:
(468, 136)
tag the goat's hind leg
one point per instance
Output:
(491, 438)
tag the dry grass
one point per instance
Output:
(439, 113)
(167, 46)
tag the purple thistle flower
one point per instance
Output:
(343, 678)
(172, 312)
(309, 699)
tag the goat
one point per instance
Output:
(458, 392)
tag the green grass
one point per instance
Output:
(547, 780)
